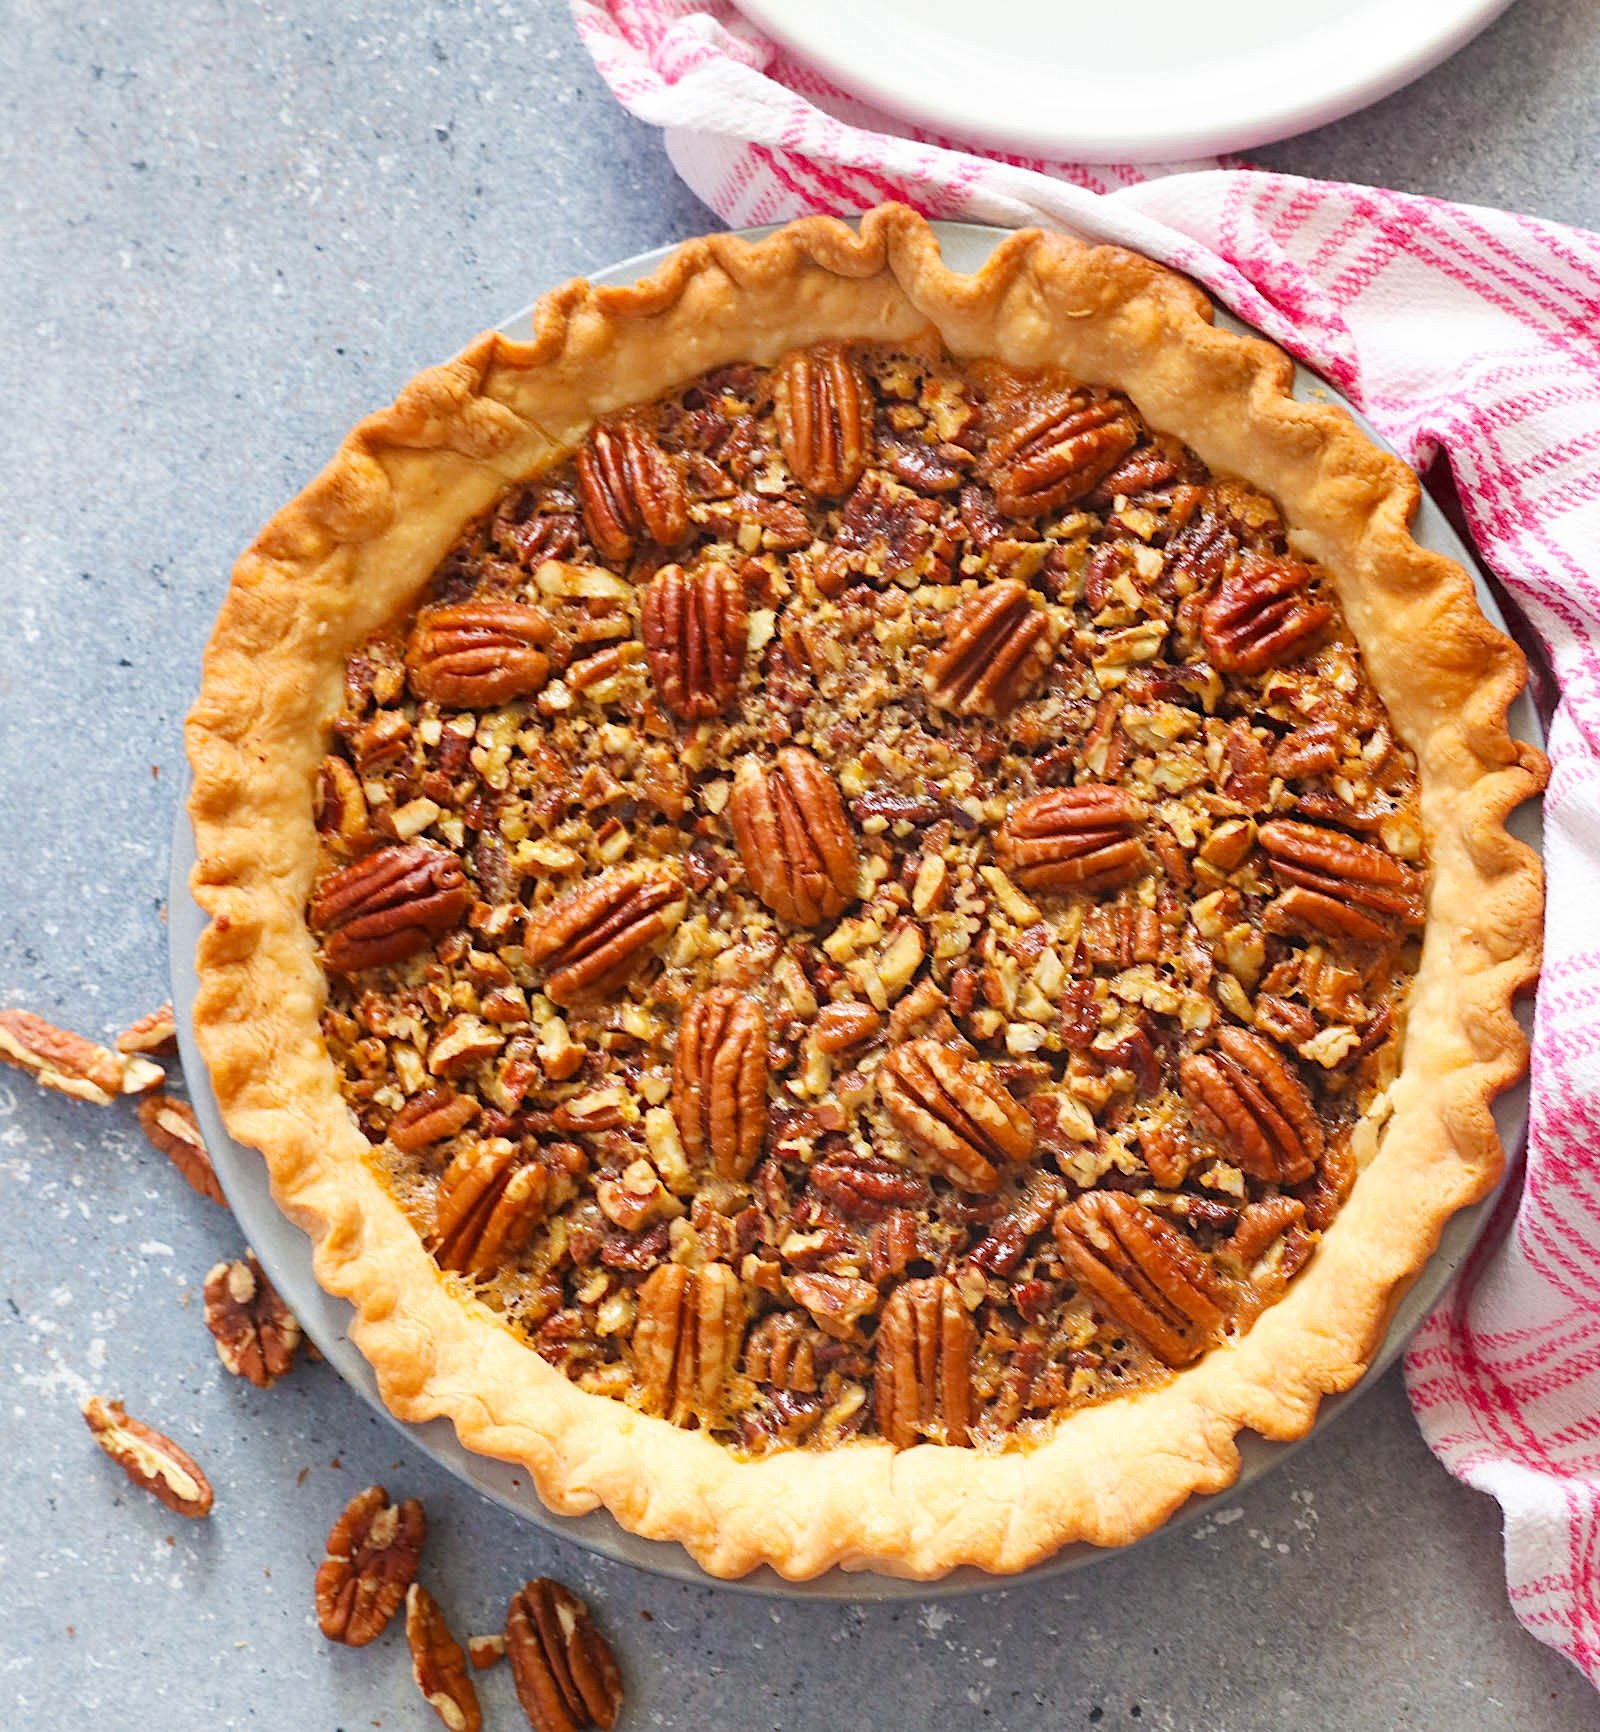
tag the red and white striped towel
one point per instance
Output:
(1458, 330)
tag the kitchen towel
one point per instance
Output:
(1460, 331)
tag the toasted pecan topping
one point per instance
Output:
(372, 1556)
(923, 1377)
(1057, 450)
(694, 630)
(794, 838)
(824, 410)
(478, 654)
(565, 1675)
(631, 491)
(954, 1112)
(997, 647)
(687, 1338)
(1251, 1099)
(388, 906)
(1082, 838)
(719, 1081)
(592, 940)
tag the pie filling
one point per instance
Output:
(876, 900)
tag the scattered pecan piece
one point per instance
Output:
(171, 1126)
(694, 627)
(438, 1664)
(1338, 887)
(1250, 1098)
(796, 843)
(487, 1204)
(823, 406)
(154, 1034)
(1083, 838)
(593, 939)
(154, 1463)
(997, 647)
(923, 1356)
(71, 1065)
(1057, 451)
(372, 1555)
(257, 1335)
(1145, 1273)
(388, 906)
(1260, 616)
(486, 1651)
(630, 490)
(719, 1081)
(479, 653)
(434, 1116)
(565, 1675)
(954, 1112)
(686, 1339)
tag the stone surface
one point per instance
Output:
(227, 231)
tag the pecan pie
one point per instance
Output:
(864, 908)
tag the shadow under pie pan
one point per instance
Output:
(286, 1253)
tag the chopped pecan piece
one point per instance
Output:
(796, 843)
(823, 406)
(372, 1555)
(719, 1081)
(923, 1354)
(1250, 1098)
(1056, 451)
(154, 1463)
(434, 1116)
(1083, 838)
(686, 1339)
(694, 627)
(257, 1335)
(836, 1302)
(1260, 616)
(1338, 887)
(844, 1025)
(592, 940)
(1259, 1225)
(565, 1675)
(1006, 1244)
(997, 647)
(885, 531)
(1141, 471)
(155, 1034)
(1145, 1273)
(438, 1664)
(867, 1187)
(954, 1112)
(479, 654)
(71, 1065)
(388, 906)
(630, 490)
(486, 1206)
(171, 1126)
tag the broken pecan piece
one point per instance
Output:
(1338, 887)
(71, 1065)
(954, 1112)
(823, 406)
(1250, 1098)
(594, 938)
(630, 490)
(686, 1339)
(997, 647)
(486, 1206)
(694, 628)
(340, 807)
(154, 1463)
(1144, 1273)
(438, 1664)
(719, 1081)
(372, 1555)
(923, 1354)
(1083, 838)
(1057, 451)
(257, 1335)
(796, 843)
(388, 906)
(479, 654)
(171, 1126)
(565, 1676)
(836, 1302)
(1260, 616)
(154, 1034)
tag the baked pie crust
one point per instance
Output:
(357, 551)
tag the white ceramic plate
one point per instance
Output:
(285, 1252)
(1150, 81)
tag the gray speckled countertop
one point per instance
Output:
(227, 231)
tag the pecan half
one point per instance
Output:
(71, 1065)
(686, 1339)
(1083, 838)
(257, 1335)
(796, 843)
(340, 807)
(372, 1555)
(823, 406)
(564, 1672)
(1249, 1097)
(153, 1034)
(592, 940)
(438, 1664)
(782, 1350)
(997, 647)
(388, 906)
(479, 653)
(694, 626)
(923, 1351)
(1056, 452)
(837, 1303)
(486, 1206)
(630, 491)
(434, 1116)
(1338, 887)
(954, 1112)
(719, 1081)
(171, 1126)
(154, 1463)
(1260, 616)
(1144, 1273)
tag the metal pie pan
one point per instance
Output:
(285, 1251)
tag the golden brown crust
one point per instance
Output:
(355, 549)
